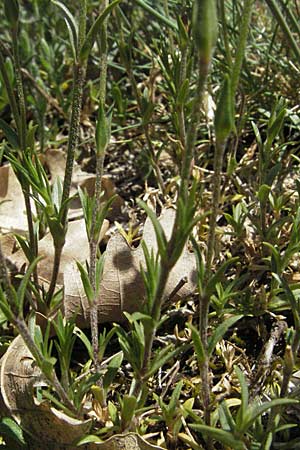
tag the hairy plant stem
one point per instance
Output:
(22, 133)
(181, 116)
(93, 261)
(191, 137)
(20, 120)
(79, 71)
(242, 40)
(98, 186)
(218, 162)
(78, 82)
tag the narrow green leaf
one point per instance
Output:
(23, 243)
(129, 403)
(102, 131)
(112, 369)
(90, 439)
(163, 357)
(226, 437)
(159, 232)
(275, 127)
(162, 18)
(183, 93)
(71, 25)
(174, 401)
(224, 116)
(198, 346)
(226, 420)
(188, 439)
(263, 193)
(136, 316)
(217, 277)
(94, 30)
(86, 283)
(257, 135)
(5, 307)
(30, 137)
(219, 332)
(10, 134)
(258, 410)
(182, 32)
(23, 285)
(244, 397)
(9, 428)
(84, 339)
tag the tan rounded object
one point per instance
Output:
(122, 288)
(19, 377)
(128, 441)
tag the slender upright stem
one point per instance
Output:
(22, 133)
(191, 138)
(241, 46)
(78, 81)
(20, 90)
(218, 162)
(79, 71)
(181, 116)
(98, 186)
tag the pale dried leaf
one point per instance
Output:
(122, 287)
(76, 248)
(19, 377)
(129, 441)
(12, 206)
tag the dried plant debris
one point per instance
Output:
(20, 377)
(12, 206)
(122, 287)
(76, 248)
(130, 441)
